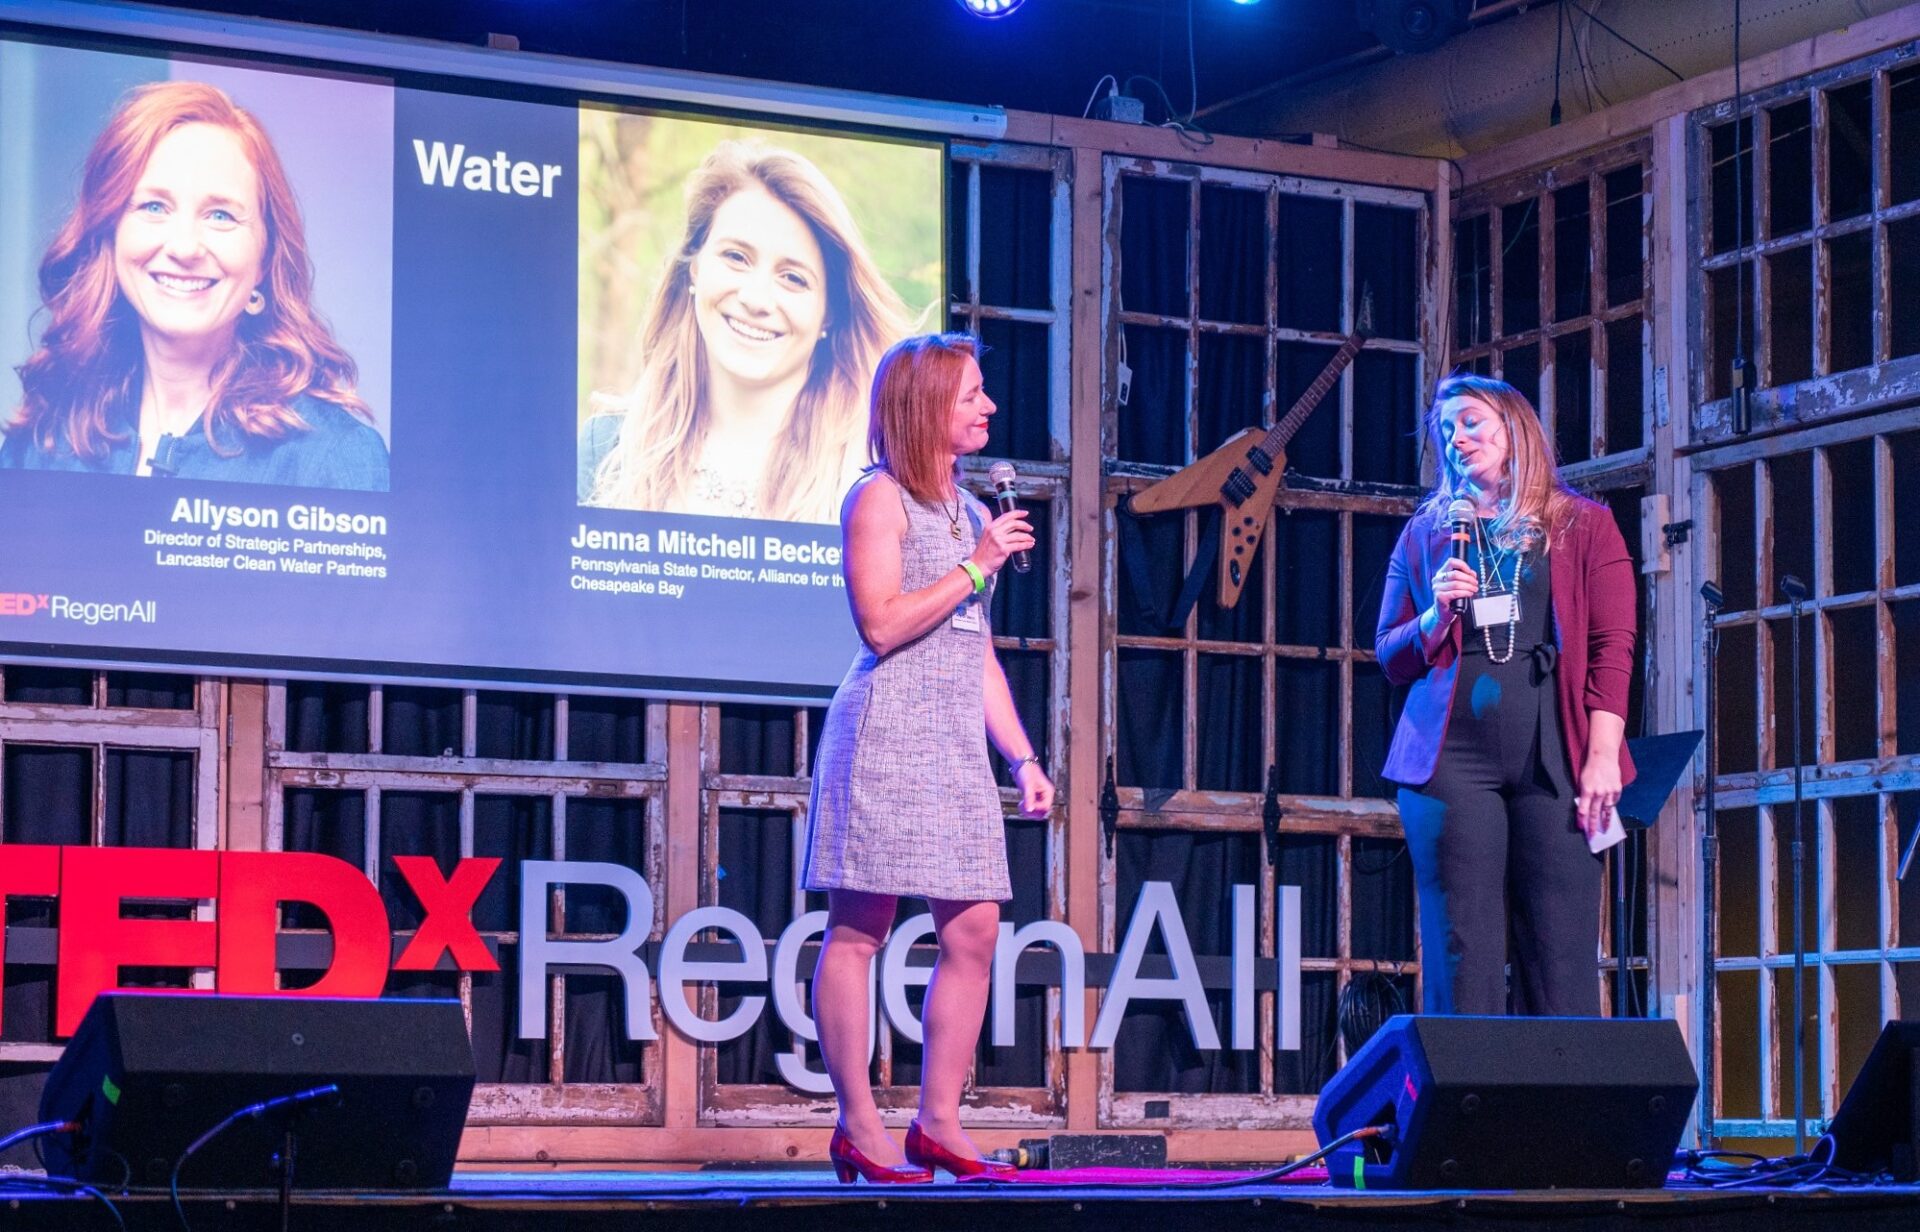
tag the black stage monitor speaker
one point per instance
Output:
(1511, 1103)
(1878, 1126)
(147, 1074)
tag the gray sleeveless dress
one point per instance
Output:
(904, 800)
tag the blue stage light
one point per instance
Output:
(990, 8)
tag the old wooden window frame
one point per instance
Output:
(467, 775)
(1342, 817)
(1885, 380)
(1605, 467)
(102, 728)
(1768, 789)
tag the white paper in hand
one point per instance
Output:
(1613, 832)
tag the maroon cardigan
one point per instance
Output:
(1593, 626)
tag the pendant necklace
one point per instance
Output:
(1498, 586)
(953, 519)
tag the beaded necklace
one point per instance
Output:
(1495, 560)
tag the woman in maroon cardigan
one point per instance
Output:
(1509, 753)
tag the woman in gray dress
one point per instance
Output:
(904, 801)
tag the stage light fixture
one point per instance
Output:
(990, 8)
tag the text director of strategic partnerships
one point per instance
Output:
(180, 334)
(757, 351)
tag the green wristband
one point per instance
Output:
(973, 571)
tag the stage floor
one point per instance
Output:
(809, 1198)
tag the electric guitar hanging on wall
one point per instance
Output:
(1244, 474)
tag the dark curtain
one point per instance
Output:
(755, 871)
(1155, 1050)
(1311, 861)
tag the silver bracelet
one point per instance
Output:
(1013, 767)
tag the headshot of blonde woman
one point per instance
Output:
(756, 352)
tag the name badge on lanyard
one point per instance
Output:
(968, 617)
(1491, 610)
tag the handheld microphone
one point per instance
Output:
(1460, 515)
(1000, 474)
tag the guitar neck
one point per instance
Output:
(1282, 432)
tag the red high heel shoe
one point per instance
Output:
(848, 1163)
(923, 1150)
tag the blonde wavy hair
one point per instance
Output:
(664, 416)
(1537, 503)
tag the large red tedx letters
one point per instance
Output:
(247, 888)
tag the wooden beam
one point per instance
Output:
(680, 1056)
(1674, 699)
(1242, 153)
(1635, 116)
(244, 772)
(1083, 743)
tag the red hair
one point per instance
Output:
(90, 359)
(914, 390)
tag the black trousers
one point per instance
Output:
(1498, 856)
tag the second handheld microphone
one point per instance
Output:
(1001, 475)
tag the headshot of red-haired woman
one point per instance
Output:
(1517, 642)
(179, 336)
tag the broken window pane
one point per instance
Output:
(1572, 253)
(1573, 396)
(1520, 368)
(1906, 508)
(1153, 246)
(1309, 252)
(1626, 385)
(1016, 225)
(1233, 255)
(1790, 168)
(1733, 498)
(1855, 554)
(1780, 637)
(1850, 150)
(1739, 730)
(1856, 676)
(1789, 316)
(1626, 236)
(1850, 301)
(1520, 266)
(1472, 283)
(1903, 285)
(1386, 259)
(1730, 328)
(1731, 184)
(1791, 523)
(1903, 135)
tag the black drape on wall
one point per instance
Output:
(1155, 1049)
